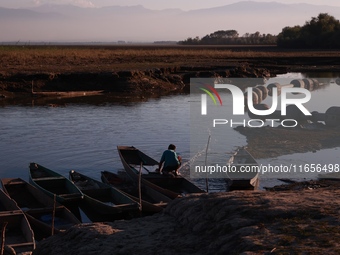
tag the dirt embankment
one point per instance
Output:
(144, 70)
(239, 222)
(157, 81)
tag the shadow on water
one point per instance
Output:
(328, 76)
(105, 99)
(98, 100)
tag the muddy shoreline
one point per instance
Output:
(140, 83)
(145, 71)
(148, 83)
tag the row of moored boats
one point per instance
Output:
(50, 203)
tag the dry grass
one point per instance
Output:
(113, 58)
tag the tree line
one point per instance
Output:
(231, 37)
(322, 31)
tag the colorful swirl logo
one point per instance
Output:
(210, 89)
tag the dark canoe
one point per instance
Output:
(103, 202)
(19, 236)
(149, 203)
(54, 184)
(238, 180)
(132, 160)
(39, 208)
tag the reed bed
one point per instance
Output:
(112, 58)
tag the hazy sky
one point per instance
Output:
(151, 4)
(68, 24)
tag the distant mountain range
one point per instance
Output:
(136, 23)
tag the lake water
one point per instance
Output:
(83, 136)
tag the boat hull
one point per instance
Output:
(237, 178)
(173, 187)
(56, 186)
(149, 204)
(18, 234)
(103, 202)
(39, 208)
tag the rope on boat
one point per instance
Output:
(3, 237)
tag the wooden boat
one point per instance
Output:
(18, 235)
(133, 159)
(103, 202)
(39, 208)
(237, 179)
(54, 184)
(68, 93)
(149, 204)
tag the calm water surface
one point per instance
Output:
(84, 136)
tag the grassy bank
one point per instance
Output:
(32, 59)
(145, 69)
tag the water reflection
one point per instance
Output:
(84, 136)
(98, 100)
